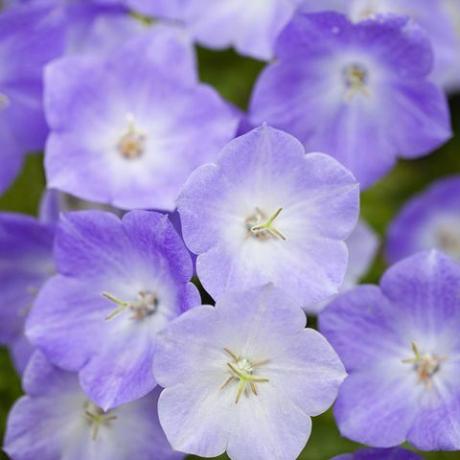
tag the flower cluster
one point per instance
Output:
(160, 193)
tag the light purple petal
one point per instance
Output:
(307, 91)
(132, 91)
(66, 322)
(120, 282)
(430, 220)
(360, 326)
(446, 419)
(198, 409)
(51, 422)
(376, 407)
(380, 454)
(26, 247)
(264, 171)
(424, 291)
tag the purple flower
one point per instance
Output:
(359, 92)
(26, 262)
(250, 27)
(94, 28)
(431, 220)
(266, 212)
(362, 247)
(31, 35)
(129, 129)
(89, 26)
(245, 377)
(119, 283)
(27, 43)
(380, 454)
(166, 9)
(439, 18)
(400, 345)
(56, 420)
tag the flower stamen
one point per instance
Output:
(132, 144)
(242, 372)
(262, 227)
(96, 418)
(355, 78)
(146, 305)
(425, 364)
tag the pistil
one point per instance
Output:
(262, 227)
(242, 372)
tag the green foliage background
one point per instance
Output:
(234, 76)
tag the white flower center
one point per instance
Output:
(4, 100)
(97, 418)
(145, 305)
(243, 372)
(355, 78)
(448, 239)
(261, 227)
(426, 365)
(132, 143)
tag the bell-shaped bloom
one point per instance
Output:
(401, 348)
(26, 262)
(127, 130)
(395, 453)
(359, 92)
(431, 220)
(439, 18)
(268, 212)
(362, 248)
(119, 282)
(56, 420)
(245, 377)
(251, 27)
(27, 43)
(31, 35)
